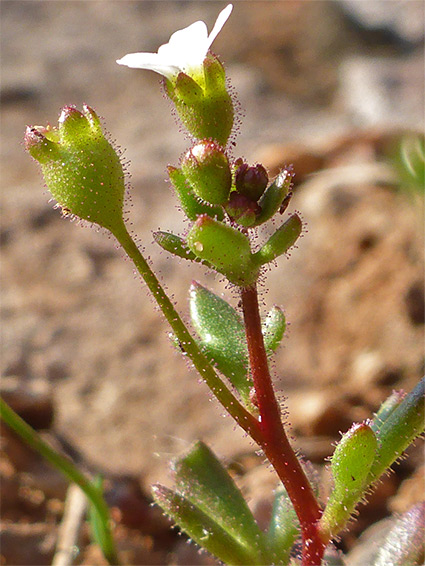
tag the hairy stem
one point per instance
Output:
(207, 372)
(275, 442)
(66, 467)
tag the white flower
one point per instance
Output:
(185, 51)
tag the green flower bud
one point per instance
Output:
(81, 169)
(207, 169)
(225, 248)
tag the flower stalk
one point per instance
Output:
(191, 348)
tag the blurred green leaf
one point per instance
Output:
(410, 162)
(202, 479)
(398, 430)
(404, 544)
(273, 328)
(283, 529)
(206, 532)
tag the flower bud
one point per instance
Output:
(207, 169)
(242, 209)
(225, 248)
(81, 169)
(251, 181)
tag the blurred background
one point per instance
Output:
(333, 87)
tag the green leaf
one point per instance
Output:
(202, 479)
(273, 196)
(399, 429)
(206, 532)
(174, 245)
(192, 206)
(350, 465)
(283, 529)
(273, 328)
(224, 247)
(280, 242)
(97, 525)
(387, 407)
(222, 336)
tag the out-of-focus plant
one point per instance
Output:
(226, 199)
(409, 161)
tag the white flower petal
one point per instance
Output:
(218, 26)
(185, 51)
(187, 46)
(150, 61)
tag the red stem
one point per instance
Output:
(275, 443)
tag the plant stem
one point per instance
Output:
(275, 442)
(207, 372)
(66, 467)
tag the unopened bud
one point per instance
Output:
(225, 248)
(251, 181)
(80, 167)
(242, 209)
(207, 169)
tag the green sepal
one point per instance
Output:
(222, 337)
(273, 328)
(404, 543)
(214, 74)
(224, 247)
(202, 479)
(273, 196)
(203, 103)
(399, 429)
(280, 242)
(192, 206)
(283, 528)
(206, 532)
(350, 466)
(40, 146)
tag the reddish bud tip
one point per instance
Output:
(203, 220)
(251, 181)
(33, 136)
(69, 112)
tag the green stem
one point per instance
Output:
(207, 372)
(68, 469)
